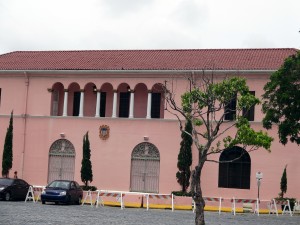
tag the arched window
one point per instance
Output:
(57, 102)
(157, 101)
(235, 174)
(145, 168)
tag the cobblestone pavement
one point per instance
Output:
(21, 213)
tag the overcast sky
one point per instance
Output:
(148, 24)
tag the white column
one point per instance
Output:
(81, 106)
(98, 104)
(114, 112)
(131, 106)
(65, 113)
(149, 105)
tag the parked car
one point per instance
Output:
(62, 191)
(13, 189)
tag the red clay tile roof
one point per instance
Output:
(208, 59)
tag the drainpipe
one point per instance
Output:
(24, 116)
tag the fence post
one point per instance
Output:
(147, 202)
(30, 192)
(233, 206)
(172, 196)
(287, 205)
(256, 210)
(220, 205)
(88, 195)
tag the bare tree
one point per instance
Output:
(215, 108)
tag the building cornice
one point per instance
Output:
(130, 71)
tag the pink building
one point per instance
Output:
(57, 96)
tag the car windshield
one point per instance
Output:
(59, 184)
(6, 182)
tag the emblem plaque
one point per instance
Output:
(104, 132)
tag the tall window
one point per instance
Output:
(0, 95)
(249, 114)
(230, 109)
(124, 104)
(155, 108)
(55, 100)
(102, 104)
(235, 174)
(76, 103)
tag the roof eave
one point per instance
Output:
(136, 71)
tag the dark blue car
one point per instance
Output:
(62, 191)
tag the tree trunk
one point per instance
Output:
(184, 184)
(197, 196)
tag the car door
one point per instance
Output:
(16, 189)
(73, 191)
(23, 188)
(79, 191)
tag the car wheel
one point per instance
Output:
(43, 202)
(79, 200)
(7, 196)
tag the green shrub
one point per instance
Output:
(180, 193)
(88, 188)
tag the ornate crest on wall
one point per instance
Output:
(104, 132)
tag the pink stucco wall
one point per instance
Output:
(111, 158)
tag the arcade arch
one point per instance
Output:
(125, 101)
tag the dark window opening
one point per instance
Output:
(0, 95)
(124, 104)
(235, 174)
(249, 114)
(55, 102)
(76, 103)
(230, 109)
(102, 104)
(155, 105)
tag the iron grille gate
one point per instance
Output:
(61, 160)
(145, 168)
